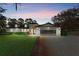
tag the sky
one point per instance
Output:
(41, 12)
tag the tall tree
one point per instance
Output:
(15, 5)
(28, 21)
(2, 23)
(20, 23)
(12, 22)
(68, 19)
(2, 20)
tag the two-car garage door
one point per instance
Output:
(48, 32)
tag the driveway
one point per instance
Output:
(59, 46)
(68, 45)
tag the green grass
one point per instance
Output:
(16, 45)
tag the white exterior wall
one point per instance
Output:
(31, 31)
(21, 30)
(48, 28)
(24, 30)
(58, 31)
(37, 31)
(17, 30)
(13, 30)
(27, 30)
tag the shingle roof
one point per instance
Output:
(48, 24)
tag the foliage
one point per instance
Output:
(20, 23)
(68, 19)
(2, 21)
(2, 10)
(12, 22)
(2, 24)
(64, 32)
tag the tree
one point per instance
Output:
(12, 22)
(2, 24)
(28, 21)
(2, 20)
(20, 23)
(2, 10)
(34, 21)
(68, 19)
(15, 5)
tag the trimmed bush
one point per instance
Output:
(64, 33)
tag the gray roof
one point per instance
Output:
(46, 25)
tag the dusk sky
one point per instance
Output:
(42, 12)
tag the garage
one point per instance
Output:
(47, 30)
(50, 32)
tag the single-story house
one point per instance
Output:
(36, 29)
(22, 29)
(46, 29)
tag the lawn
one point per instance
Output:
(16, 45)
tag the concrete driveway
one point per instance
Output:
(62, 46)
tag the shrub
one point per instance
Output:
(64, 32)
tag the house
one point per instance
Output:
(21, 29)
(36, 29)
(25, 27)
(46, 29)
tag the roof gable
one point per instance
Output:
(47, 25)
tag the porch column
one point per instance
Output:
(58, 32)
(37, 31)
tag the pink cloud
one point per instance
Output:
(39, 14)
